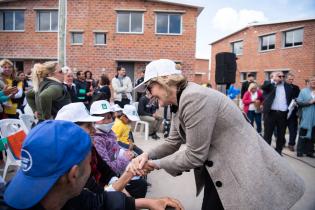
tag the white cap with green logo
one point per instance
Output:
(100, 107)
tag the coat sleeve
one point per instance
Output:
(30, 97)
(246, 98)
(198, 114)
(117, 165)
(169, 146)
(116, 86)
(266, 87)
(46, 98)
(129, 85)
(141, 107)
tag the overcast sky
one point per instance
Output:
(222, 17)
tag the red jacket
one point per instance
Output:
(247, 99)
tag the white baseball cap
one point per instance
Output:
(100, 107)
(157, 68)
(116, 108)
(76, 112)
(131, 112)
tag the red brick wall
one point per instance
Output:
(29, 44)
(300, 60)
(201, 66)
(90, 15)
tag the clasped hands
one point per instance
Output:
(141, 165)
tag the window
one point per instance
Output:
(168, 23)
(243, 75)
(267, 42)
(130, 22)
(47, 20)
(268, 73)
(100, 38)
(293, 38)
(11, 20)
(19, 65)
(237, 47)
(76, 38)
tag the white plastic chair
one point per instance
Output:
(28, 120)
(8, 127)
(144, 126)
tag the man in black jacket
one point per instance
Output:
(278, 96)
(293, 119)
(147, 110)
(138, 82)
(245, 85)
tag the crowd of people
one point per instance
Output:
(94, 162)
(282, 106)
(89, 170)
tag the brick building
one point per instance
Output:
(264, 48)
(100, 34)
(202, 71)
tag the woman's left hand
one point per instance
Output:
(136, 164)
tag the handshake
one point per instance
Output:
(141, 165)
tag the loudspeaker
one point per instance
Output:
(225, 68)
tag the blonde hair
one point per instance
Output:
(13, 69)
(41, 71)
(6, 61)
(177, 80)
(252, 85)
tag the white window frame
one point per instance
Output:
(292, 30)
(76, 32)
(50, 19)
(13, 30)
(168, 23)
(232, 46)
(129, 32)
(95, 33)
(261, 40)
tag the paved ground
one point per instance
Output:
(183, 187)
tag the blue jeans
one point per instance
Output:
(253, 116)
(136, 149)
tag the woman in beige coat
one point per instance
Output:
(237, 168)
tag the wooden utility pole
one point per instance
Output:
(62, 15)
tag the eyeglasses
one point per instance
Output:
(281, 76)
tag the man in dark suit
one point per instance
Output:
(278, 96)
(293, 119)
(245, 85)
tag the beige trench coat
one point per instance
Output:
(247, 172)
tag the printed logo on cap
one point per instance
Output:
(104, 106)
(26, 160)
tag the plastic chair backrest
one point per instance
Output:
(136, 104)
(28, 120)
(7, 128)
(10, 126)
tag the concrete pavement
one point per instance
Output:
(183, 187)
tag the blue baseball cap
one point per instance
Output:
(48, 152)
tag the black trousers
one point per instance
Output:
(305, 145)
(211, 199)
(123, 102)
(293, 127)
(276, 119)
